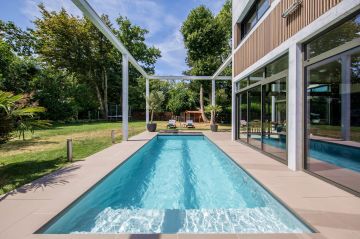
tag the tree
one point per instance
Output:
(17, 112)
(155, 101)
(181, 98)
(206, 43)
(17, 72)
(83, 50)
(213, 110)
(22, 42)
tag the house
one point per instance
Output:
(296, 84)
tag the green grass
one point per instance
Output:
(45, 151)
(18, 168)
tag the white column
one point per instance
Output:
(295, 108)
(125, 94)
(213, 92)
(233, 112)
(346, 97)
(147, 94)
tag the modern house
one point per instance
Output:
(296, 84)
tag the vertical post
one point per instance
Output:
(125, 92)
(346, 97)
(69, 150)
(295, 108)
(233, 112)
(213, 92)
(147, 94)
(113, 136)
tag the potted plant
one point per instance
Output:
(213, 110)
(155, 101)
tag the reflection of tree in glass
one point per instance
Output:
(344, 33)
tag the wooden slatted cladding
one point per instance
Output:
(274, 30)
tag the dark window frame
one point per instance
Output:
(254, 9)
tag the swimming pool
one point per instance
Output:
(336, 154)
(177, 184)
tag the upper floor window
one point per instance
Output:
(253, 16)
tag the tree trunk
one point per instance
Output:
(106, 108)
(202, 105)
(98, 94)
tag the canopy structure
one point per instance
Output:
(91, 14)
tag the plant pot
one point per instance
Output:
(151, 127)
(214, 127)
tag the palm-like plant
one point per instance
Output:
(18, 114)
(155, 101)
(213, 110)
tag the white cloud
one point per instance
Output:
(149, 14)
(31, 11)
(173, 54)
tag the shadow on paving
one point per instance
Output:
(28, 170)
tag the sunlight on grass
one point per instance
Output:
(24, 161)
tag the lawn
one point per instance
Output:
(45, 151)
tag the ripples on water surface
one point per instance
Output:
(177, 184)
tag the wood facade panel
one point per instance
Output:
(274, 30)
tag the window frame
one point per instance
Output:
(254, 10)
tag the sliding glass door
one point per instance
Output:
(262, 115)
(274, 118)
(254, 119)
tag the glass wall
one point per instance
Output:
(274, 118)
(243, 117)
(261, 109)
(254, 129)
(333, 107)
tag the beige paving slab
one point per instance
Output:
(333, 212)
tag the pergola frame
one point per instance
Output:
(91, 14)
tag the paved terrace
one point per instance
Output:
(331, 211)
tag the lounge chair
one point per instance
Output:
(171, 124)
(190, 124)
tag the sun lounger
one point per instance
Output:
(190, 124)
(171, 124)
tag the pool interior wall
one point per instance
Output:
(177, 184)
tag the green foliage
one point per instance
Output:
(83, 50)
(181, 98)
(16, 72)
(207, 40)
(19, 114)
(155, 101)
(22, 42)
(214, 110)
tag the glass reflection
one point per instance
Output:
(254, 116)
(333, 121)
(274, 118)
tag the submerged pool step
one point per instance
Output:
(247, 220)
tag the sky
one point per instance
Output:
(163, 19)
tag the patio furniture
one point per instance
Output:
(190, 124)
(171, 124)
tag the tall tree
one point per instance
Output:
(22, 42)
(73, 43)
(205, 41)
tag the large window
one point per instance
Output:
(333, 106)
(345, 33)
(253, 16)
(261, 109)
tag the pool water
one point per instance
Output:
(177, 184)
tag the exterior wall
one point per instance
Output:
(276, 30)
(272, 37)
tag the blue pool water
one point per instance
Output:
(177, 184)
(339, 155)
